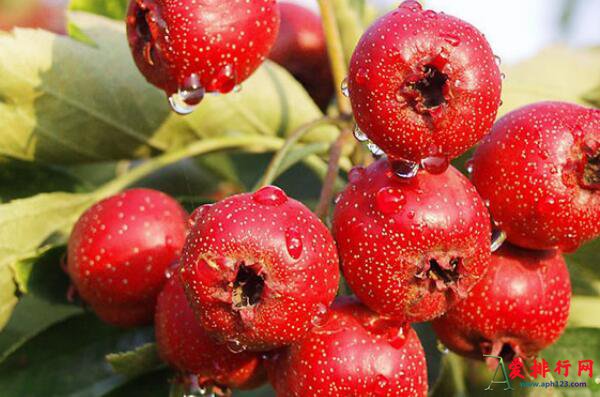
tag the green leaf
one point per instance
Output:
(115, 9)
(154, 384)
(67, 360)
(135, 362)
(8, 298)
(557, 73)
(583, 267)
(584, 311)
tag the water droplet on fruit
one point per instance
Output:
(337, 198)
(270, 195)
(356, 174)
(225, 81)
(389, 200)
(381, 385)
(374, 149)
(344, 87)
(498, 60)
(435, 164)
(405, 169)
(469, 166)
(359, 135)
(502, 76)
(451, 39)
(397, 339)
(362, 75)
(171, 270)
(237, 88)
(293, 242)
(189, 95)
(430, 14)
(498, 238)
(198, 214)
(235, 346)
(411, 5)
(320, 317)
(441, 347)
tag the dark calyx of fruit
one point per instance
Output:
(247, 287)
(440, 275)
(507, 350)
(591, 172)
(426, 91)
(141, 24)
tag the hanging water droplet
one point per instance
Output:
(389, 200)
(498, 60)
(405, 169)
(293, 242)
(469, 166)
(375, 150)
(498, 238)
(359, 135)
(320, 317)
(502, 76)
(189, 95)
(356, 174)
(344, 87)
(435, 164)
(441, 347)
(501, 102)
(235, 346)
(237, 88)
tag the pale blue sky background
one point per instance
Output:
(517, 29)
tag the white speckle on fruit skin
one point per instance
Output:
(121, 277)
(352, 353)
(388, 230)
(522, 301)
(405, 119)
(284, 244)
(530, 169)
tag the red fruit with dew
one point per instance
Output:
(119, 251)
(411, 248)
(184, 345)
(194, 47)
(302, 50)
(353, 352)
(539, 170)
(519, 308)
(257, 268)
(423, 84)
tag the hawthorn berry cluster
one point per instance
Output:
(245, 289)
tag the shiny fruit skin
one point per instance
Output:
(220, 41)
(423, 84)
(519, 308)
(302, 50)
(539, 169)
(353, 353)
(257, 267)
(411, 248)
(184, 345)
(119, 250)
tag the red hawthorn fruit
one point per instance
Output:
(44, 14)
(184, 344)
(411, 248)
(257, 268)
(193, 47)
(540, 171)
(119, 251)
(423, 84)
(520, 307)
(302, 50)
(352, 353)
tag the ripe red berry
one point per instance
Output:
(353, 352)
(540, 171)
(189, 47)
(119, 250)
(520, 307)
(302, 50)
(257, 268)
(423, 84)
(184, 344)
(411, 248)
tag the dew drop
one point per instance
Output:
(381, 385)
(374, 149)
(225, 81)
(405, 169)
(498, 60)
(412, 5)
(359, 135)
(189, 95)
(451, 39)
(356, 174)
(498, 238)
(362, 75)
(321, 316)
(270, 195)
(435, 164)
(389, 200)
(171, 270)
(502, 76)
(237, 88)
(398, 339)
(441, 347)
(344, 87)
(235, 346)
(198, 214)
(337, 198)
(469, 166)
(430, 14)
(293, 242)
